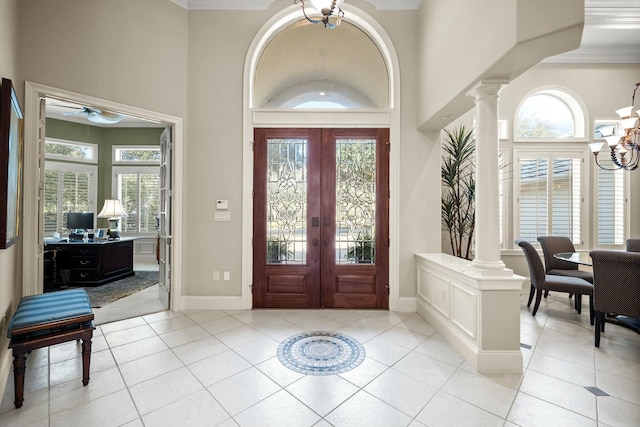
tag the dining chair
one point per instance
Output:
(633, 245)
(541, 282)
(552, 245)
(616, 288)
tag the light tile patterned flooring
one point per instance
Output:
(210, 368)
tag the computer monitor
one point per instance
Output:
(80, 220)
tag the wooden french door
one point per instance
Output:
(321, 218)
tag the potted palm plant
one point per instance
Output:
(278, 250)
(459, 189)
(363, 251)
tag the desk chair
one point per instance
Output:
(541, 282)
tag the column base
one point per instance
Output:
(488, 265)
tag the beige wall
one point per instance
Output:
(462, 41)
(131, 52)
(10, 259)
(155, 55)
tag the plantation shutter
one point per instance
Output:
(533, 198)
(67, 188)
(149, 201)
(138, 190)
(610, 207)
(128, 196)
(566, 199)
(51, 208)
(550, 195)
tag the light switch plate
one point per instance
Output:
(222, 216)
(222, 204)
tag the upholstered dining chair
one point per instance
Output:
(541, 282)
(552, 245)
(616, 287)
(633, 245)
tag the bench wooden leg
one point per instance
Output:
(86, 360)
(19, 366)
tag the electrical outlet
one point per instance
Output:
(216, 276)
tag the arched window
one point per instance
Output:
(551, 179)
(549, 114)
(341, 69)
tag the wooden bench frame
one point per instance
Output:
(28, 338)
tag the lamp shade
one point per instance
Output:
(112, 209)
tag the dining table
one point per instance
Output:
(580, 258)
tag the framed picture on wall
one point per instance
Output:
(10, 164)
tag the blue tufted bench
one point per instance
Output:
(49, 319)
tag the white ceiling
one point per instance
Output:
(611, 35)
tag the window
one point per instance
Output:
(139, 155)
(68, 187)
(611, 205)
(138, 189)
(70, 151)
(549, 195)
(550, 114)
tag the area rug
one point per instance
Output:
(110, 292)
(321, 353)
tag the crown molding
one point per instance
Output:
(264, 4)
(599, 54)
(396, 4)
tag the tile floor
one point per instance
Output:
(210, 368)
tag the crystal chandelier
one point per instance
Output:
(327, 8)
(623, 144)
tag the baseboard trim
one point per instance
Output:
(405, 305)
(5, 367)
(211, 303)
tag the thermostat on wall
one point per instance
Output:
(222, 204)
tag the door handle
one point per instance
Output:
(315, 242)
(315, 221)
(326, 242)
(325, 221)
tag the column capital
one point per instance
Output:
(487, 87)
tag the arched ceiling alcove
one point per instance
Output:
(304, 60)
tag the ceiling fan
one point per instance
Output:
(96, 115)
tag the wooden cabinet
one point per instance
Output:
(90, 263)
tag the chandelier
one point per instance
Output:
(327, 8)
(624, 145)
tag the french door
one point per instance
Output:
(321, 218)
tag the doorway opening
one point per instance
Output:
(153, 235)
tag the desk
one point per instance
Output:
(582, 258)
(92, 263)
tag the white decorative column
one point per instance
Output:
(487, 229)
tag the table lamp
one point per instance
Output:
(112, 210)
